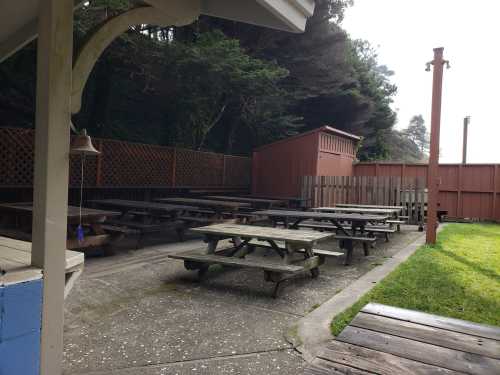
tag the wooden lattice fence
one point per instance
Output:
(411, 192)
(125, 164)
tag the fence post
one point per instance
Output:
(223, 170)
(174, 162)
(495, 191)
(460, 205)
(98, 172)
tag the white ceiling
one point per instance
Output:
(18, 18)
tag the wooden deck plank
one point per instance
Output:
(321, 367)
(421, 352)
(428, 334)
(377, 361)
(418, 317)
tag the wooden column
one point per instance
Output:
(50, 197)
(433, 174)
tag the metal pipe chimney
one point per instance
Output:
(464, 146)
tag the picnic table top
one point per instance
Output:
(264, 233)
(204, 203)
(290, 199)
(246, 199)
(358, 210)
(88, 214)
(15, 261)
(322, 215)
(389, 340)
(123, 203)
(368, 206)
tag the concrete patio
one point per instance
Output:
(139, 312)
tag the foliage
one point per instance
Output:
(213, 75)
(221, 85)
(417, 133)
(459, 277)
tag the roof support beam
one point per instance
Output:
(50, 197)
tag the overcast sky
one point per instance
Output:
(405, 32)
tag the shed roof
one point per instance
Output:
(322, 129)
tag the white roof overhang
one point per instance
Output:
(18, 19)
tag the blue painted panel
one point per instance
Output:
(21, 309)
(20, 325)
(21, 356)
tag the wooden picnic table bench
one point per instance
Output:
(125, 206)
(153, 217)
(360, 210)
(400, 208)
(296, 242)
(293, 202)
(17, 220)
(355, 233)
(216, 205)
(15, 263)
(254, 202)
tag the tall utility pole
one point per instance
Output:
(433, 174)
(464, 147)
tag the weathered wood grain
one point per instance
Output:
(321, 367)
(263, 233)
(428, 334)
(451, 324)
(421, 352)
(238, 262)
(323, 215)
(377, 361)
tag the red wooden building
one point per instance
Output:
(278, 167)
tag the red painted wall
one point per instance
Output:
(277, 168)
(466, 191)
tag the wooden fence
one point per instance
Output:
(466, 191)
(126, 165)
(408, 192)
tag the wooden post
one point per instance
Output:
(495, 191)
(460, 205)
(174, 162)
(223, 170)
(98, 172)
(432, 181)
(50, 196)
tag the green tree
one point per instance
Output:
(417, 133)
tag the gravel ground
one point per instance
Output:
(139, 312)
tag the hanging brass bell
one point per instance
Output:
(82, 145)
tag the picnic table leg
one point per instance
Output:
(348, 246)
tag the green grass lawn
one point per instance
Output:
(459, 277)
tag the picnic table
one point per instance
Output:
(255, 202)
(15, 264)
(217, 206)
(17, 218)
(355, 233)
(125, 206)
(400, 208)
(296, 242)
(361, 210)
(293, 202)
